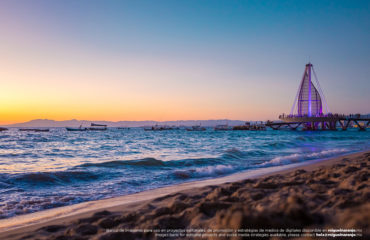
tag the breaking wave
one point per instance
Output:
(201, 172)
(299, 157)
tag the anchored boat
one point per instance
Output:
(79, 129)
(196, 128)
(97, 127)
(249, 126)
(160, 128)
(33, 130)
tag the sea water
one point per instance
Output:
(43, 170)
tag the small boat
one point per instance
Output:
(3, 129)
(196, 128)
(258, 127)
(79, 129)
(97, 127)
(241, 128)
(33, 130)
(123, 128)
(246, 126)
(160, 128)
(253, 127)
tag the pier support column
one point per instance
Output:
(348, 122)
(307, 126)
(333, 125)
(361, 128)
(294, 126)
(344, 124)
(275, 128)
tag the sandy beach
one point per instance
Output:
(325, 194)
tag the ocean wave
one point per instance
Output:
(299, 157)
(20, 155)
(36, 168)
(40, 139)
(275, 144)
(307, 138)
(208, 171)
(153, 162)
(322, 138)
(48, 178)
(60, 155)
(235, 153)
(117, 163)
(4, 136)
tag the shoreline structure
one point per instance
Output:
(19, 226)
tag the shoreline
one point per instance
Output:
(12, 227)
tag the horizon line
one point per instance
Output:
(45, 119)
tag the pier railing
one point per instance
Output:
(326, 116)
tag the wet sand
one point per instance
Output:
(331, 193)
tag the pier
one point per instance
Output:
(308, 110)
(329, 122)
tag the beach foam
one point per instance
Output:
(298, 157)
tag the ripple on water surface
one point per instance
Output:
(46, 170)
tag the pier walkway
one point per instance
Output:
(325, 122)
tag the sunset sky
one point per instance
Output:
(178, 60)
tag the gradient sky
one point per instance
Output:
(178, 60)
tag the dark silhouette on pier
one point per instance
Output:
(307, 111)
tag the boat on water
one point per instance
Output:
(196, 128)
(93, 127)
(160, 128)
(33, 130)
(79, 129)
(252, 127)
(246, 126)
(258, 127)
(97, 127)
(3, 129)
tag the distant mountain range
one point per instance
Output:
(85, 123)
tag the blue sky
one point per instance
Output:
(167, 60)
